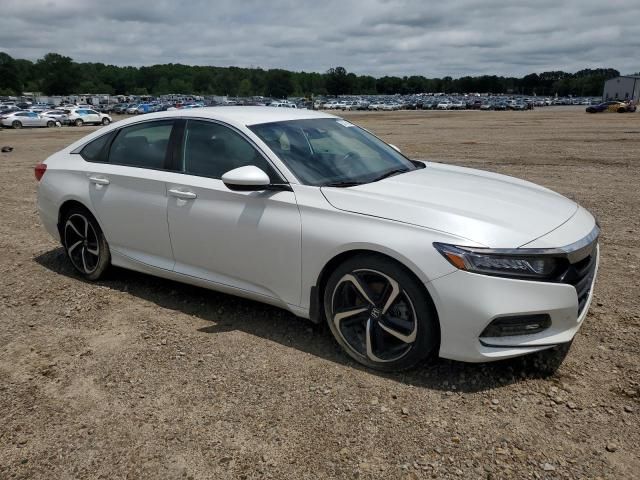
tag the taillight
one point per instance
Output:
(39, 170)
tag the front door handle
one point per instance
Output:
(99, 180)
(174, 192)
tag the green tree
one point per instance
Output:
(337, 81)
(9, 75)
(279, 84)
(245, 89)
(57, 74)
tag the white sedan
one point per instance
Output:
(309, 212)
(27, 119)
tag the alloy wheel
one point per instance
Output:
(374, 315)
(82, 243)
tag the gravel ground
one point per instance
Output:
(136, 377)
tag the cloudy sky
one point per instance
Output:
(377, 37)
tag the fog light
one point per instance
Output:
(517, 325)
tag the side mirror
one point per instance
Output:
(395, 148)
(249, 178)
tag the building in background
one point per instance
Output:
(626, 87)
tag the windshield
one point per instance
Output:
(331, 151)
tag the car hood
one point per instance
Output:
(486, 208)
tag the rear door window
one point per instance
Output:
(143, 145)
(96, 151)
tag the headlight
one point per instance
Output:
(506, 263)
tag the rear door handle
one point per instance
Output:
(99, 180)
(174, 192)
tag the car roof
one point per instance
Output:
(244, 116)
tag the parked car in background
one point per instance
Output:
(105, 108)
(82, 116)
(58, 115)
(612, 106)
(283, 104)
(121, 108)
(27, 119)
(7, 109)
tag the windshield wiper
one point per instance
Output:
(390, 173)
(342, 184)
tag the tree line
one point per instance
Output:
(56, 74)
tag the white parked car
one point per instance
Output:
(445, 105)
(27, 119)
(58, 115)
(82, 116)
(283, 104)
(309, 212)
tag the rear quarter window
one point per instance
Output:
(96, 150)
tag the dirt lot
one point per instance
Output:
(136, 377)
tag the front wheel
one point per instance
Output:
(16, 124)
(380, 314)
(51, 124)
(106, 121)
(85, 244)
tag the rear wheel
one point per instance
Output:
(16, 124)
(51, 124)
(379, 313)
(78, 122)
(85, 244)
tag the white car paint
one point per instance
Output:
(272, 245)
(28, 119)
(87, 116)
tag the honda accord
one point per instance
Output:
(307, 211)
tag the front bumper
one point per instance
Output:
(468, 302)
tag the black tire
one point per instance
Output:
(383, 334)
(16, 124)
(78, 122)
(106, 121)
(622, 110)
(547, 362)
(85, 244)
(51, 124)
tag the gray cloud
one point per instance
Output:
(377, 37)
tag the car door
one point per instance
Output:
(31, 120)
(126, 182)
(248, 240)
(92, 116)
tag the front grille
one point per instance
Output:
(580, 275)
